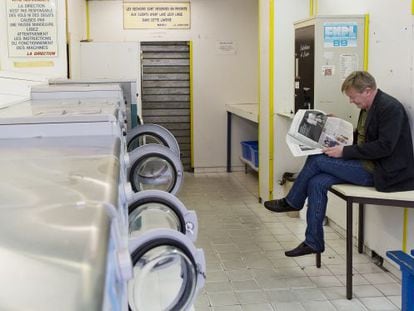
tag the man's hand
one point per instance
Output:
(334, 152)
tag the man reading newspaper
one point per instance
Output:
(382, 156)
(313, 130)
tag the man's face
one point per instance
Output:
(362, 100)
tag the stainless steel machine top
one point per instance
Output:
(62, 110)
(54, 227)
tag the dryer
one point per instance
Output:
(152, 209)
(62, 245)
(161, 168)
(93, 116)
(61, 217)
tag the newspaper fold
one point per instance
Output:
(313, 130)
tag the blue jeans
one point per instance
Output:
(319, 173)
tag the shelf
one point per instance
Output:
(249, 164)
(286, 115)
(249, 111)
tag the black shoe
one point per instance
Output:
(279, 206)
(301, 250)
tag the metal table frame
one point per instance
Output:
(361, 200)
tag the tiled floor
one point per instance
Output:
(246, 266)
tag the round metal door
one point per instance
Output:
(155, 167)
(152, 209)
(168, 271)
(151, 134)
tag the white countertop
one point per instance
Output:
(249, 111)
(370, 192)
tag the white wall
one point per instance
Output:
(287, 12)
(218, 79)
(58, 69)
(76, 32)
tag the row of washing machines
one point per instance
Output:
(88, 214)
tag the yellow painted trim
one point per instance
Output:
(67, 22)
(33, 64)
(405, 230)
(313, 7)
(88, 23)
(271, 93)
(259, 62)
(412, 7)
(366, 41)
(191, 104)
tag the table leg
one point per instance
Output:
(361, 221)
(318, 260)
(349, 249)
(228, 141)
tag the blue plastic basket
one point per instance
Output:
(255, 153)
(249, 148)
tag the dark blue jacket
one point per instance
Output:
(388, 144)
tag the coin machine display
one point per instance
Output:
(66, 170)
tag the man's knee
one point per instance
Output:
(320, 182)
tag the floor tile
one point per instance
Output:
(289, 306)
(252, 297)
(257, 307)
(223, 299)
(378, 304)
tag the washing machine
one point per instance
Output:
(158, 167)
(61, 240)
(168, 270)
(152, 209)
(61, 225)
(137, 136)
(161, 168)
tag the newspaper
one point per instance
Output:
(313, 130)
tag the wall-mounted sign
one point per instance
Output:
(32, 28)
(157, 15)
(226, 47)
(340, 34)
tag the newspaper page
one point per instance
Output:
(313, 130)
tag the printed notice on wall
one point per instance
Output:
(157, 15)
(226, 47)
(340, 34)
(348, 63)
(32, 28)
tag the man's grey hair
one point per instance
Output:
(359, 80)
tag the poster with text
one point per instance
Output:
(157, 15)
(32, 28)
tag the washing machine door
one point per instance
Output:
(155, 167)
(152, 209)
(151, 134)
(168, 271)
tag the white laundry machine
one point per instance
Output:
(137, 136)
(61, 240)
(158, 167)
(150, 209)
(61, 237)
(157, 172)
